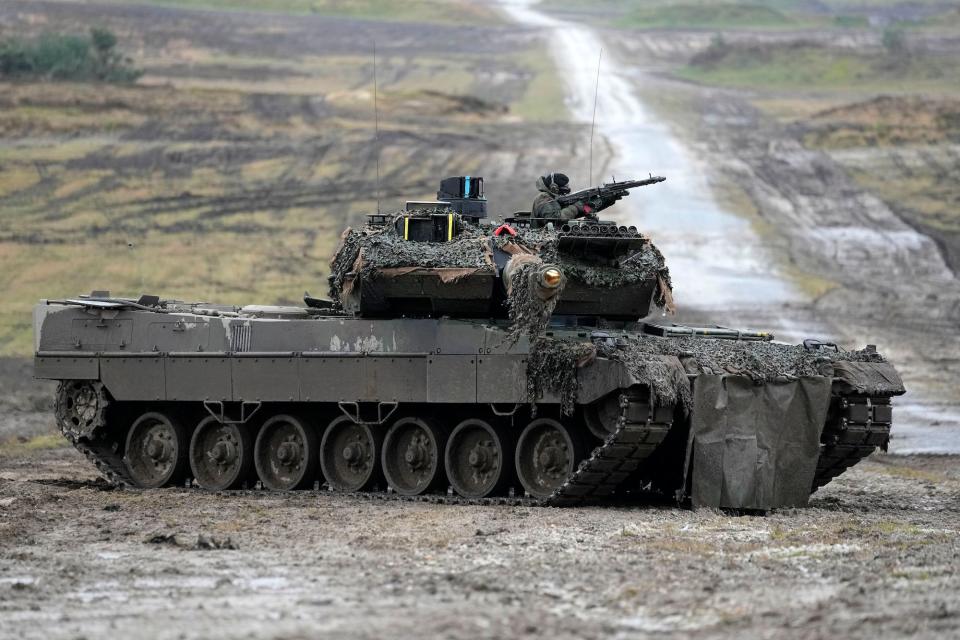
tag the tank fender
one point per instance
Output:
(602, 376)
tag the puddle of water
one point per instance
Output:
(925, 428)
(267, 583)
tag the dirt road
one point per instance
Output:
(874, 556)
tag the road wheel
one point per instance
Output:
(411, 456)
(547, 454)
(286, 453)
(221, 455)
(156, 453)
(476, 461)
(350, 455)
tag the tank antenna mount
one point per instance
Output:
(593, 121)
(376, 124)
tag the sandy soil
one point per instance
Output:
(873, 556)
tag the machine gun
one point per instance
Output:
(606, 194)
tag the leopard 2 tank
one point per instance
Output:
(466, 361)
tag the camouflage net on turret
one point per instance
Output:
(554, 362)
(373, 247)
(646, 264)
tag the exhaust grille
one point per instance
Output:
(239, 338)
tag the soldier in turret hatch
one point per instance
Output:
(547, 203)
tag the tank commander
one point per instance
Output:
(545, 205)
(548, 203)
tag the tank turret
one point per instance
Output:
(435, 262)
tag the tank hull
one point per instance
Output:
(338, 400)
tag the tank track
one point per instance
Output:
(856, 426)
(108, 459)
(639, 431)
(89, 439)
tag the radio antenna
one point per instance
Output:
(376, 124)
(593, 121)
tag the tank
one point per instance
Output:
(457, 359)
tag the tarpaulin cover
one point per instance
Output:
(755, 446)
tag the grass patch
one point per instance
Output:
(20, 446)
(544, 99)
(456, 11)
(808, 66)
(910, 473)
(699, 16)
(885, 121)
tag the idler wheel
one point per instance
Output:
(350, 455)
(221, 455)
(602, 416)
(475, 458)
(547, 454)
(286, 453)
(156, 451)
(411, 456)
(80, 408)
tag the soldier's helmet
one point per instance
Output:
(557, 183)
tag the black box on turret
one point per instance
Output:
(465, 196)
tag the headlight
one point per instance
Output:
(551, 277)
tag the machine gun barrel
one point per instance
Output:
(606, 190)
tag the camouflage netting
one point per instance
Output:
(529, 312)
(553, 363)
(379, 247)
(646, 264)
(552, 366)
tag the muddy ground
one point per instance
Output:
(875, 555)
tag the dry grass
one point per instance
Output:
(23, 446)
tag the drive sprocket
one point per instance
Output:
(81, 408)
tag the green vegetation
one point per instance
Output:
(699, 16)
(544, 97)
(812, 66)
(57, 56)
(763, 14)
(21, 446)
(457, 11)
